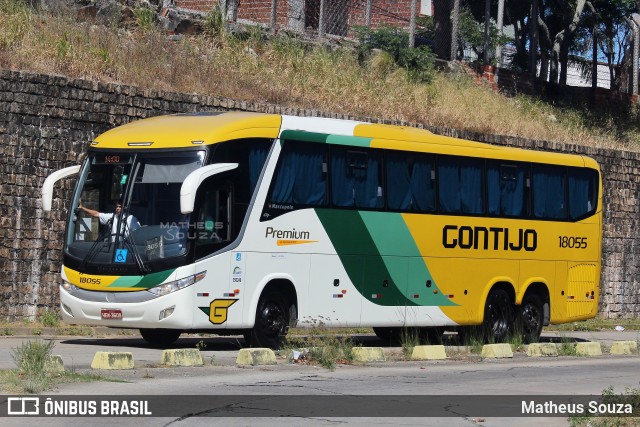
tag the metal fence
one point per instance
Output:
(319, 17)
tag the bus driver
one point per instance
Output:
(131, 223)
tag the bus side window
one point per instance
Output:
(213, 225)
(410, 186)
(549, 190)
(583, 192)
(355, 178)
(301, 177)
(460, 185)
(506, 193)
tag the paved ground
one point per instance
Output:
(77, 352)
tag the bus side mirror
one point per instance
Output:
(194, 179)
(47, 187)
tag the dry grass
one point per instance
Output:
(287, 73)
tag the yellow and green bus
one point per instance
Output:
(247, 223)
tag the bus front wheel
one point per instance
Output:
(160, 337)
(498, 316)
(272, 322)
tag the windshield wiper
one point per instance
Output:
(101, 238)
(129, 241)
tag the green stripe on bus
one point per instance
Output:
(146, 282)
(303, 136)
(391, 235)
(354, 141)
(353, 242)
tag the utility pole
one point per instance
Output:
(533, 38)
(487, 22)
(321, 19)
(274, 15)
(636, 50)
(455, 24)
(367, 13)
(500, 25)
(412, 23)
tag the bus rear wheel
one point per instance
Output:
(499, 317)
(531, 318)
(272, 322)
(160, 337)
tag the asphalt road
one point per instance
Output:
(478, 380)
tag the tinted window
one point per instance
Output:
(410, 184)
(583, 192)
(506, 189)
(549, 189)
(301, 177)
(460, 185)
(355, 178)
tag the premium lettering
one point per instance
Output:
(495, 238)
(286, 234)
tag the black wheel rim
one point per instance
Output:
(272, 321)
(530, 318)
(499, 317)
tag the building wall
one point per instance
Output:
(48, 121)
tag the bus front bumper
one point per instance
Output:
(173, 311)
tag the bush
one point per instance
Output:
(50, 318)
(417, 61)
(31, 358)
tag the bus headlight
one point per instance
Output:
(68, 286)
(176, 285)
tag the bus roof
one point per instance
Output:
(197, 129)
(189, 130)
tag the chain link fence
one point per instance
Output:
(320, 17)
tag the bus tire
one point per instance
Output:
(530, 318)
(499, 317)
(160, 337)
(272, 321)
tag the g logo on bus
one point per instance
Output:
(219, 309)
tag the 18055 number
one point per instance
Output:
(572, 242)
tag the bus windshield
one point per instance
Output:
(126, 209)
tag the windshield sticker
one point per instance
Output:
(121, 255)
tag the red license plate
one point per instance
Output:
(111, 314)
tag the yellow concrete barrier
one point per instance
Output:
(428, 352)
(368, 354)
(588, 349)
(495, 351)
(624, 347)
(542, 349)
(182, 357)
(256, 356)
(112, 360)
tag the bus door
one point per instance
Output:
(214, 229)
